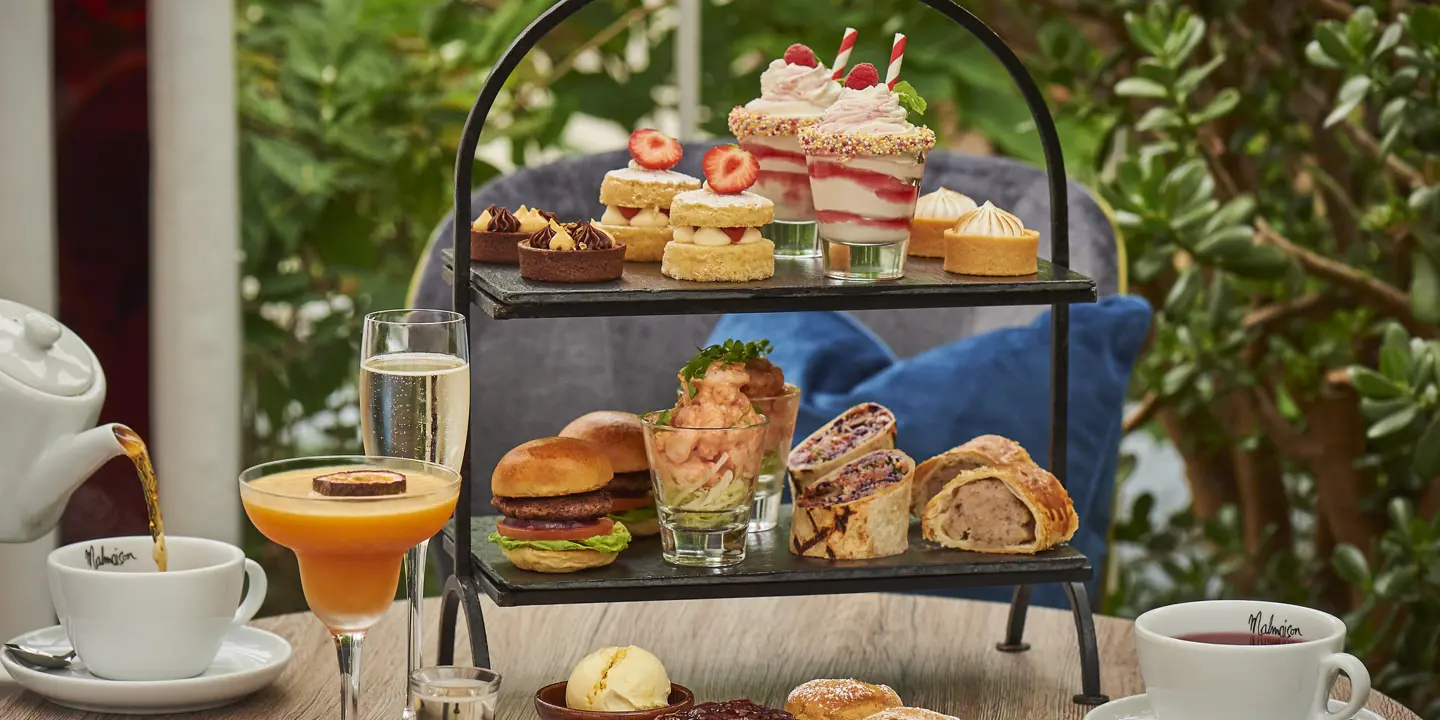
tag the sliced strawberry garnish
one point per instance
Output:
(627, 212)
(862, 76)
(735, 233)
(798, 54)
(729, 169)
(655, 150)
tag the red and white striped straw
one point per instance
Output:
(842, 58)
(897, 53)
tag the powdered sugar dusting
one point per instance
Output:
(837, 691)
(636, 173)
(909, 713)
(709, 198)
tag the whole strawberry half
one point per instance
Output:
(729, 169)
(655, 150)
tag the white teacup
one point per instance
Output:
(128, 621)
(1204, 680)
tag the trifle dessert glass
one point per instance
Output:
(865, 161)
(782, 410)
(794, 92)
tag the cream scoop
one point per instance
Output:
(989, 221)
(943, 204)
(618, 679)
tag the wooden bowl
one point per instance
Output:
(550, 705)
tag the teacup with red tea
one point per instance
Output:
(1245, 660)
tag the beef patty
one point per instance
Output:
(565, 507)
(632, 484)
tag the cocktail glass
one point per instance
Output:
(784, 181)
(415, 403)
(349, 548)
(864, 206)
(782, 410)
(704, 482)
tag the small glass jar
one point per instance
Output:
(704, 481)
(864, 206)
(782, 410)
(453, 692)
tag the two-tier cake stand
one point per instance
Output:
(770, 569)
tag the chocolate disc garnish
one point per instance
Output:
(360, 483)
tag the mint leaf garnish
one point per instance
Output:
(910, 99)
(732, 351)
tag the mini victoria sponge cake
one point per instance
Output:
(637, 198)
(717, 237)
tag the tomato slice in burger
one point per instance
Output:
(541, 530)
(621, 504)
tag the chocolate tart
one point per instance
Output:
(571, 266)
(592, 257)
(496, 247)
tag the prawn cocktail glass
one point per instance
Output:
(705, 457)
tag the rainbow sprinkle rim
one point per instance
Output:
(815, 141)
(744, 123)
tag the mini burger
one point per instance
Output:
(621, 436)
(551, 492)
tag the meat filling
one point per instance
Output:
(937, 480)
(582, 506)
(989, 515)
(858, 481)
(842, 434)
(628, 485)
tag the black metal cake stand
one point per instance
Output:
(769, 570)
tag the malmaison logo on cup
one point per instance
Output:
(1261, 625)
(97, 558)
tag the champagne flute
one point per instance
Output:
(415, 403)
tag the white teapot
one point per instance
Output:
(51, 389)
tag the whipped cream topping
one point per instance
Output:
(649, 217)
(989, 221)
(872, 110)
(943, 204)
(787, 89)
(714, 237)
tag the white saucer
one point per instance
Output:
(249, 659)
(1137, 707)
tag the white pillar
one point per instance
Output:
(195, 289)
(687, 68)
(27, 253)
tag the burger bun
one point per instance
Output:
(550, 467)
(619, 434)
(557, 561)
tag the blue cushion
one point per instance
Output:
(996, 383)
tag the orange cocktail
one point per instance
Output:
(349, 521)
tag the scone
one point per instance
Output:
(990, 241)
(717, 228)
(637, 198)
(934, 214)
(910, 713)
(840, 700)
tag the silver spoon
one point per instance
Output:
(37, 659)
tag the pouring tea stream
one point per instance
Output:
(51, 390)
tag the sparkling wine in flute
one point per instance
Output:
(414, 405)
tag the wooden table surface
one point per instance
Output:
(937, 653)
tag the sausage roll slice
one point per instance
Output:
(983, 451)
(861, 510)
(1015, 509)
(859, 430)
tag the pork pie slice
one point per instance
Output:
(983, 451)
(859, 430)
(861, 510)
(1013, 509)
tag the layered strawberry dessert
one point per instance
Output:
(865, 161)
(794, 92)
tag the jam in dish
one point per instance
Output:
(730, 710)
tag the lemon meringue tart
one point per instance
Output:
(989, 241)
(935, 213)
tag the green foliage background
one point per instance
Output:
(1274, 174)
